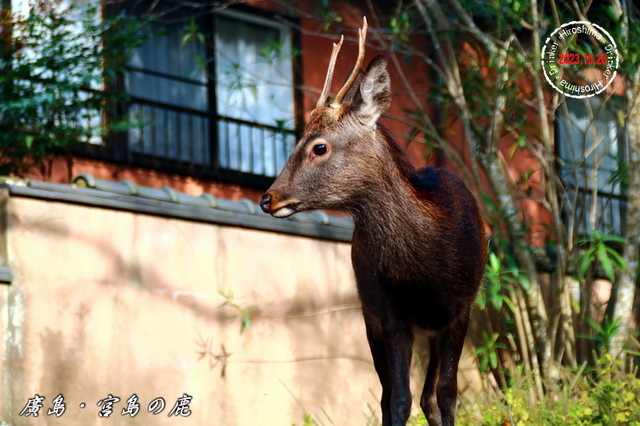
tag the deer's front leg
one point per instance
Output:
(379, 354)
(398, 340)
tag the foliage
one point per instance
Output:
(500, 282)
(603, 332)
(371, 419)
(307, 421)
(605, 394)
(55, 62)
(327, 15)
(600, 252)
(240, 311)
(487, 351)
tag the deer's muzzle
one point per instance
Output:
(276, 208)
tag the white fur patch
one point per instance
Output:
(283, 212)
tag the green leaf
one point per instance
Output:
(246, 321)
(584, 265)
(594, 325)
(524, 282)
(28, 141)
(605, 262)
(493, 359)
(575, 305)
(484, 361)
(494, 261)
(510, 304)
(615, 239)
(496, 301)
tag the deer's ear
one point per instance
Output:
(374, 94)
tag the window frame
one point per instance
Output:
(115, 147)
(607, 199)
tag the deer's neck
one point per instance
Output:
(391, 209)
(392, 219)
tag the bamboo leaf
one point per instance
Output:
(510, 304)
(584, 265)
(605, 262)
(493, 360)
(575, 305)
(28, 141)
(616, 258)
(594, 325)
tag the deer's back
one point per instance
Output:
(462, 242)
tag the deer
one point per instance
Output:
(419, 247)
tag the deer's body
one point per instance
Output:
(415, 263)
(418, 247)
(418, 253)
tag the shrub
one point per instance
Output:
(55, 62)
(606, 394)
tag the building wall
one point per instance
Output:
(112, 302)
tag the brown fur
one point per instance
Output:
(418, 248)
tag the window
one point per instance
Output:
(253, 85)
(223, 108)
(592, 152)
(170, 95)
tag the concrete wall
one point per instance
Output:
(110, 302)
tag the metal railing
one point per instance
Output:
(610, 215)
(197, 143)
(253, 148)
(170, 132)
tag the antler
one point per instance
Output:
(327, 80)
(362, 34)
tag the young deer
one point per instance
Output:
(418, 249)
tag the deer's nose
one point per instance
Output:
(265, 203)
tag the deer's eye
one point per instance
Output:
(319, 149)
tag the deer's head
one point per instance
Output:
(340, 151)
